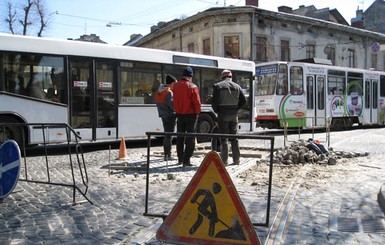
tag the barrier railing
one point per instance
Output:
(78, 180)
(312, 127)
(210, 136)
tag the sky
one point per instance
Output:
(114, 21)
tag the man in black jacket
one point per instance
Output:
(228, 98)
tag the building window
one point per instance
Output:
(190, 47)
(206, 47)
(232, 20)
(351, 58)
(261, 49)
(374, 61)
(331, 54)
(285, 50)
(231, 46)
(310, 51)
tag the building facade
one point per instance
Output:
(251, 33)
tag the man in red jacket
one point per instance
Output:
(187, 105)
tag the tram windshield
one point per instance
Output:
(266, 80)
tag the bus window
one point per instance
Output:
(138, 82)
(336, 82)
(37, 76)
(282, 80)
(209, 77)
(296, 80)
(244, 80)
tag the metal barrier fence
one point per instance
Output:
(210, 136)
(312, 127)
(71, 142)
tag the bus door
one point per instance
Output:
(319, 101)
(81, 96)
(371, 102)
(92, 98)
(105, 78)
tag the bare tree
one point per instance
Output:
(30, 16)
(43, 16)
(11, 18)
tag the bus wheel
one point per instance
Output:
(8, 131)
(205, 125)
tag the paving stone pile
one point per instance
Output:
(301, 152)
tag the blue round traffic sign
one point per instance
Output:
(376, 47)
(9, 167)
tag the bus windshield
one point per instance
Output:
(266, 80)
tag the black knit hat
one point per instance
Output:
(188, 72)
(170, 79)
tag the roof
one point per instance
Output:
(311, 21)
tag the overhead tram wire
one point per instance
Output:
(95, 19)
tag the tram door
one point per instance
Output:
(315, 97)
(92, 98)
(371, 101)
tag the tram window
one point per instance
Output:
(355, 82)
(296, 80)
(375, 94)
(310, 92)
(367, 94)
(382, 86)
(321, 93)
(282, 80)
(336, 82)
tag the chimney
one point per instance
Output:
(358, 21)
(359, 13)
(252, 3)
(285, 9)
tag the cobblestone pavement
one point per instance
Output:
(329, 204)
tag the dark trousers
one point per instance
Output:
(168, 126)
(229, 127)
(185, 145)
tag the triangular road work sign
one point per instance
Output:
(209, 211)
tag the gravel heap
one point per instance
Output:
(300, 152)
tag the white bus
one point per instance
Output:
(310, 95)
(103, 91)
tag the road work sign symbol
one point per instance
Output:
(9, 167)
(209, 211)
